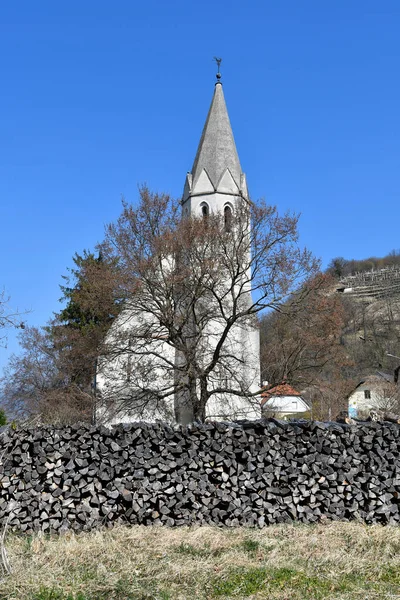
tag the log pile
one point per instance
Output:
(249, 473)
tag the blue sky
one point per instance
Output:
(99, 97)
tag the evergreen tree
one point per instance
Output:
(78, 330)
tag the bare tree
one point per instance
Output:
(195, 288)
(328, 397)
(8, 318)
(53, 375)
(302, 340)
(35, 383)
(387, 398)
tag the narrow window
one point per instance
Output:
(367, 394)
(228, 218)
(204, 210)
(129, 362)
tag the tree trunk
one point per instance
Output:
(200, 409)
(185, 398)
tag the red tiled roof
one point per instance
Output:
(283, 389)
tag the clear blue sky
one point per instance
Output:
(97, 97)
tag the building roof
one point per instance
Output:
(378, 379)
(217, 150)
(283, 389)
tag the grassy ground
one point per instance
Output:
(335, 561)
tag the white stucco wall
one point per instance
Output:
(359, 403)
(122, 376)
(286, 404)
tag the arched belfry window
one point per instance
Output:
(228, 218)
(205, 211)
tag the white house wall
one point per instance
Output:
(359, 403)
(286, 404)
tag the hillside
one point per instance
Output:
(371, 303)
(342, 267)
(372, 285)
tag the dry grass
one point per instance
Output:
(287, 562)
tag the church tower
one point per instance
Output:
(216, 182)
(139, 369)
(217, 185)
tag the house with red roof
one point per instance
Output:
(283, 400)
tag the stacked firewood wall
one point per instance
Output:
(251, 474)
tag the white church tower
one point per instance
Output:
(216, 182)
(216, 185)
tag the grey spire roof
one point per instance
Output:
(217, 150)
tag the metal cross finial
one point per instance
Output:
(218, 61)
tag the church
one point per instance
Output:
(130, 391)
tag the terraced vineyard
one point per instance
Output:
(372, 285)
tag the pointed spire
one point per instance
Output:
(217, 151)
